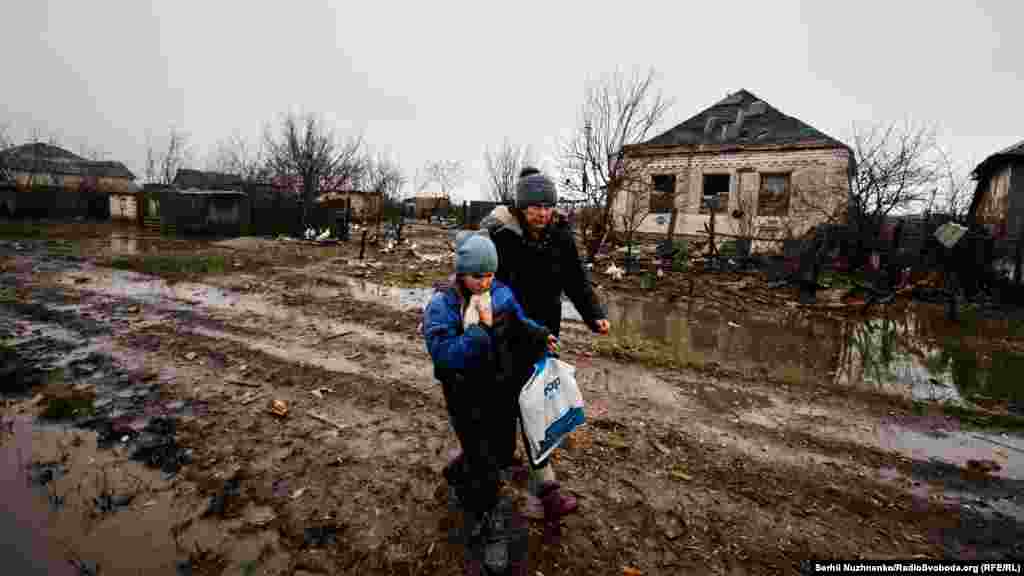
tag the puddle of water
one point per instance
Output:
(27, 547)
(957, 448)
(913, 352)
(897, 354)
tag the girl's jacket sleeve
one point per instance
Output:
(449, 349)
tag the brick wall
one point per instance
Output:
(818, 185)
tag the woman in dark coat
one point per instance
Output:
(538, 260)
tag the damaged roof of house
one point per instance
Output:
(206, 179)
(42, 157)
(742, 119)
(986, 166)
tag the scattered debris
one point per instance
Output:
(320, 536)
(240, 382)
(679, 474)
(326, 420)
(259, 516)
(614, 271)
(41, 474)
(222, 500)
(250, 397)
(107, 503)
(156, 447)
(279, 408)
(341, 334)
(191, 356)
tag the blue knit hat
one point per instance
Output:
(475, 254)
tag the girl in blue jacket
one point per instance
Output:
(483, 347)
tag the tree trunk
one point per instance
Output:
(307, 198)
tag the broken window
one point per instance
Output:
(664, 194)
(773, 199)
(716, 192)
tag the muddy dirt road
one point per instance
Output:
(142, 409)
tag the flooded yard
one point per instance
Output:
(278, 415)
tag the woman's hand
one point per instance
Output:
(552, 343)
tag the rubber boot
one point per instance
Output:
(555, 506)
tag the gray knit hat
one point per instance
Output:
(535, 188)
(475, 254)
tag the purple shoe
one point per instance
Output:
(550, 504)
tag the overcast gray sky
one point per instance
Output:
(442, 80)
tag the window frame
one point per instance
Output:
(657, 201)
(704, 209)
(787, 194)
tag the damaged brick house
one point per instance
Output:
(766, 175)
(998, 204)
(39, 179)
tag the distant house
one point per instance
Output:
(44, 180)
(366, 205)
(765, 174)
(998, 203)
(219, 212)
(430, 204)
(187, 178)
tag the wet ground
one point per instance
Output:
(142, 406)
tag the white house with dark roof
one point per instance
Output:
(43, 179)
(770, 175)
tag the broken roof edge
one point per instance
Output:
(986, 166)
(643, 149)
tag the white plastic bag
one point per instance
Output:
(550, 406)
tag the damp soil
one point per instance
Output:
(148, 409)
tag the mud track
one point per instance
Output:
(677, 471)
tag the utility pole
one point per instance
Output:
(586, 158)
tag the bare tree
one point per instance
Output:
(446, 174)
(52, 137)
(385, 177)
(6, 141)
(6, 136)
(91, 152)
(617, 110)
(503, 166)
(954, 191)
(306, 148)
(635, 207)
(235, 155)
(162, 164)
(897, 169)
(898, 166)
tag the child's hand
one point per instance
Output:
(483, 305)
(552, 343)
